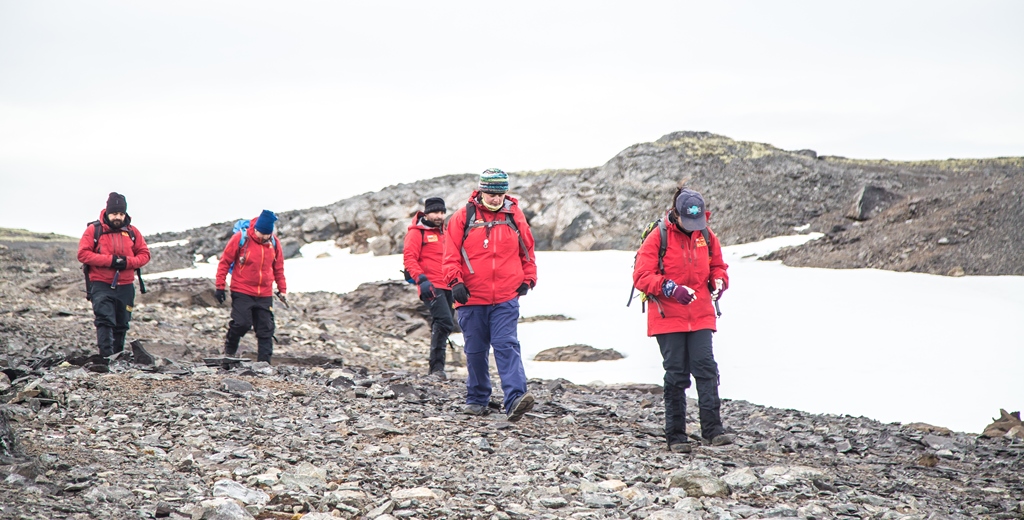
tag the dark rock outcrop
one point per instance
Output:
(579, 353)
(754, 190)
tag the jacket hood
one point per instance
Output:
(106, 227)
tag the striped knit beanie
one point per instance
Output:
(494, 181)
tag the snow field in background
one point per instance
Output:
(892, 346)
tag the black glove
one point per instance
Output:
(460, 293)
(523, 288)
(219, 295)
(426, 288)
(119, 262)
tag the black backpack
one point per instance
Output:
(470, 224)
(663, 231)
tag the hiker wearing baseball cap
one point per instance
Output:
(422, 254)
(682, 287)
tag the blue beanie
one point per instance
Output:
(265, 223)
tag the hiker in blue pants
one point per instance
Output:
(489, 264)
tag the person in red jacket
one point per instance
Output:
(682, 316)
(255, 260)
(110, 261)
(489, 264)
(422, 254)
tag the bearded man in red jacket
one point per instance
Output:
(422, 254)
(255, 259)
(489, 264)
(111, 249)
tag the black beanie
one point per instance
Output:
(433, 204)
(116, 203)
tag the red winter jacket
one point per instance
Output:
(424, 250)
(499, 262)
(686, 263)
(257, 266)
(113, 242)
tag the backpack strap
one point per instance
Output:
(470, 223)
(663, 233)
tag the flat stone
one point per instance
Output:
(741, 478)
(232, 489)
(418, 493)
(553, 502)
(698, 483)
(611, 486)
(236, 386)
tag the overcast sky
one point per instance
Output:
(208, 111)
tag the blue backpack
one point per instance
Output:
(242, 225)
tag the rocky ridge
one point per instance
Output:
(947, 217)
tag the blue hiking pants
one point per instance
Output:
(483, 327)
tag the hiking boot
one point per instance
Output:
(440, 375)
(680, 447)
(723, 439)
(520, 406)
(475, 409)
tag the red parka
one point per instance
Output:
(257, 265)
(113, 242)
(687, 262)
(424, 250)
(499, 262)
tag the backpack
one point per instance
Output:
(663, 231)
(97, 231)
(470, 224)
(242, 225)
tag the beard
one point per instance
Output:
(433, 222)
(115, 222)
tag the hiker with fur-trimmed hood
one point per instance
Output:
(422, 254)
(256, 261)
(682, 290)
(110, 259)
(489, 264)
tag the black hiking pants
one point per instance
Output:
(442, 322)
(251, 312)
(683, 354)
(113, 311)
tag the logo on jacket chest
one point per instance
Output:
(700, 242)
(432, 238)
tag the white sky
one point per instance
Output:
(817, 340)
(208, 111)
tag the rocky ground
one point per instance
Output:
(949, 217)
(346, 424)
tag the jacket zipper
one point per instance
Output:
(263, 255)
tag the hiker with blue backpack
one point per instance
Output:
(681, 271)
(422, 253)
(488, 265)
(112, 251)
(254, 258)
